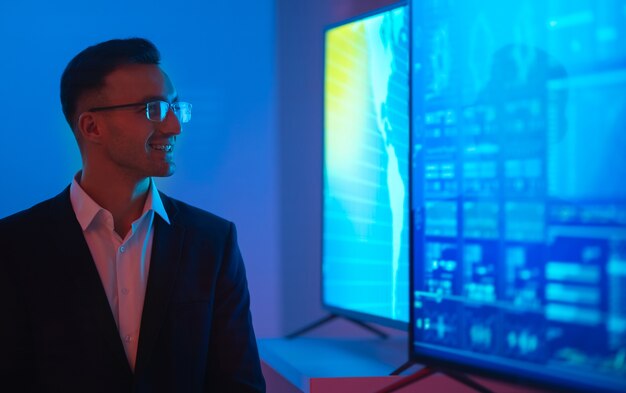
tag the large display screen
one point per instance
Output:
(519, 189)
(365, 253)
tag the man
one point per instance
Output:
(111, 286)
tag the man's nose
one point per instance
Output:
(171, 123)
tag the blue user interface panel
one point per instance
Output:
(365, 257)
(519, 188)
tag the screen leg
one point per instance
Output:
(329, 318)
(427, 372)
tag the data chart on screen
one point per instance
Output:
(519, 188)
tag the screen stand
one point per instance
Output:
(329, 318)
(427, 372)
(400, 369)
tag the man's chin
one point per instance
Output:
(166, 172)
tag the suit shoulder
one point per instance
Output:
(193, 216)
(36, 214)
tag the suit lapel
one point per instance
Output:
(164, 262)
(78, 263)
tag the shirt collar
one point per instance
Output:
(87, 209)
(154, 202)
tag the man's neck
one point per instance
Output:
(123, 196)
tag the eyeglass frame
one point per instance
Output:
(147, 105)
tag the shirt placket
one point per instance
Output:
(128, 309)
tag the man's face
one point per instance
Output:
(131, 144)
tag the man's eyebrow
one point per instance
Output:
(160, 98)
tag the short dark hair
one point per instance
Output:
(87, 70)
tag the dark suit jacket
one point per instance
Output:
(57, 332)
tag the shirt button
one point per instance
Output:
(128, 339)
(122, 249)
(124, 291)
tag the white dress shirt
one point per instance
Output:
(123, 264)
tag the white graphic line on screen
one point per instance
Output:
(337, 40)
(351, 198)
(349, 67)
(357, 261)
(329, 237)
(347, 63)
(346, 95)
(359, 283)
(340, 107)
(338, 216)
(571, 20)
(382, 305)
(347, 72)
(348, 178)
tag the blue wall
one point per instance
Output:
(220, 56)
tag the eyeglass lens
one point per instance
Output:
(157, 110)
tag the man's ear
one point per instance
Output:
(87, 127)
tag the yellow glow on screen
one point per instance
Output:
(346, 99)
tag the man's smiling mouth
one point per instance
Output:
(162, 147)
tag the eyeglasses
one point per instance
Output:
(155, 110)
